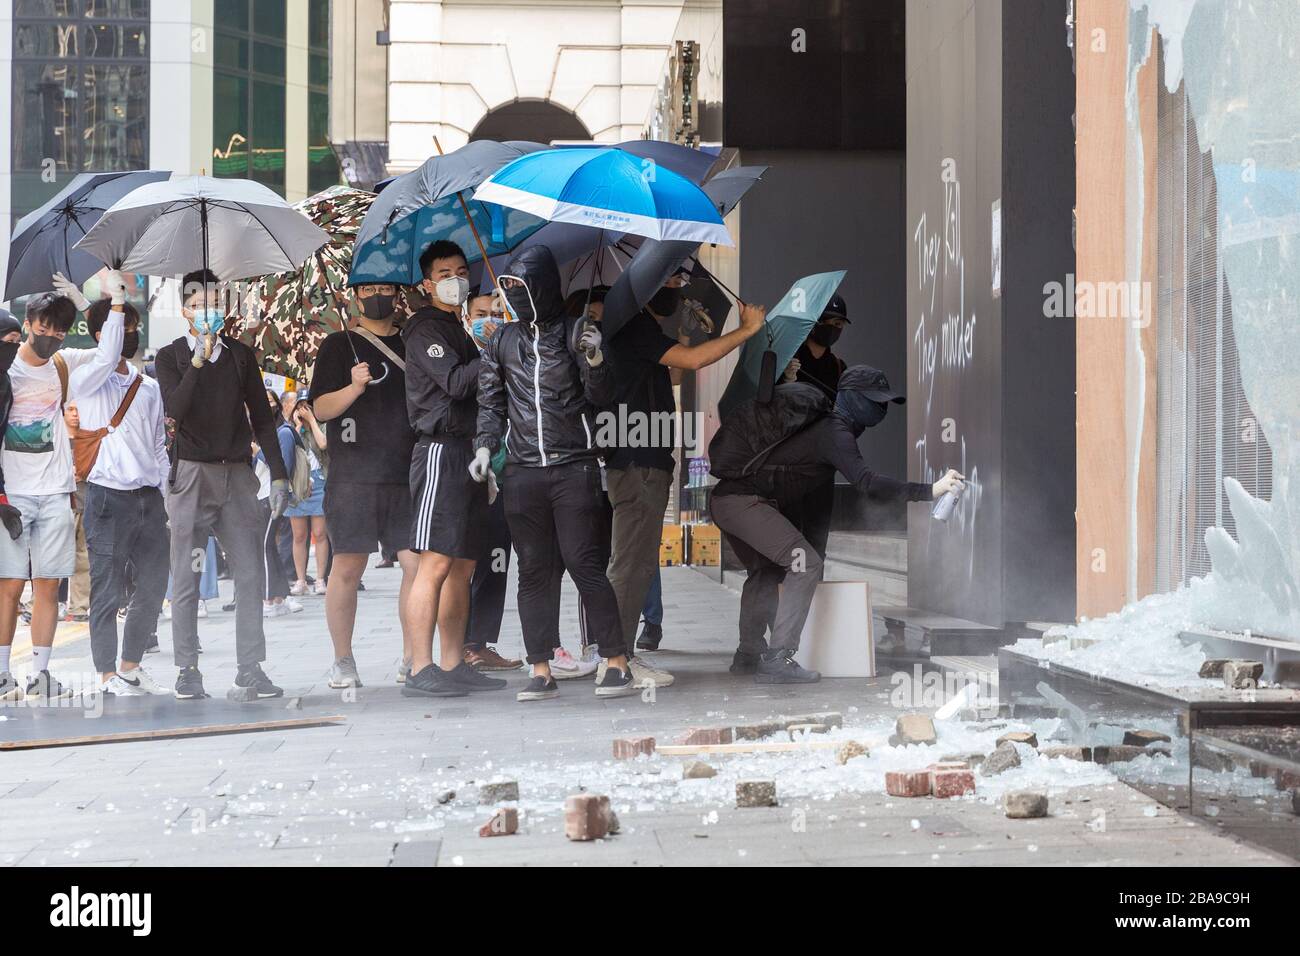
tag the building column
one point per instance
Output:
(295, 105)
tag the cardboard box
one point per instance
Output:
(671, 551)
(706, 546)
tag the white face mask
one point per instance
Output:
(453, 290)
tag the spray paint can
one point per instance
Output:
(943, 508)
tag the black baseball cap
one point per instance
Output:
(871, 382)
(836, 308)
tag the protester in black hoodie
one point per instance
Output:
(11, 336)
(541, 379)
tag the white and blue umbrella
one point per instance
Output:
(607, 189)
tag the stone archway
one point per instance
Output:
(540, 121)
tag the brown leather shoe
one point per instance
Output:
(488, 659)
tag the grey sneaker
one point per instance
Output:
(10, 689)
(344, 673)
(645, 674)
(779, 667)
(404, 670)
(43, 684)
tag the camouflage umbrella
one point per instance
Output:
(292, 312)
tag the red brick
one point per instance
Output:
(952, 783)
(907, 783)
(702, 736)
(586, 816)
(503, 822)
(627, 747)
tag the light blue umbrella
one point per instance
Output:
(608, 189)
(788, 324)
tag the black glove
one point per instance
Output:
(13, 520)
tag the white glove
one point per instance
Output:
(952, 480)
(589, 342)
(281, 496)
(115, 286)
(481, 466)
(66, 287)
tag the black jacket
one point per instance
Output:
(441, 375)
(536, 391)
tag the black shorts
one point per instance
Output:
(363, 518)
(448, 507)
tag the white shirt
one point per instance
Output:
(133, 455)
(37, 454)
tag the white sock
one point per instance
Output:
(4, 659)
(41, 658)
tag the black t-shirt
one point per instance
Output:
(379, 449)
(644, 406)
(823, 372)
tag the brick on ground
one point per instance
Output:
(908, 783)
(503, 822)
(703, 736)
(755, 793)
(1025, 804)
(915, 729)
(1140, 738)
(1019, 737)
(587, 816)
(1242, 675)
(626, 748)
(497, 791)
(952, 783)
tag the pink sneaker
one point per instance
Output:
(564, 666)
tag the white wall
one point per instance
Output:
(452, 61)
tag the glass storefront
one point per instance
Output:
(322, 165)
(248, 103)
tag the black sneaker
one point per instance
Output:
(43, 684)
(616, 683)
(744, 663)
(539, 688)
(251, 683)
(650, 637)
(189, 684)
(462, 675)
(432, 682)
(779, 667)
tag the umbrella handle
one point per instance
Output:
(487, 264)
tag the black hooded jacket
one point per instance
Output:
(536, 392)
(7, 352)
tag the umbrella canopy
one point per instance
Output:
(43, 240)
(788, 325)
(422, 206)
(606, 188)
(298, 309)
(235, 227)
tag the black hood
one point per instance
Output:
(8, 349)
(536, 266)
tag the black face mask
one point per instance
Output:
(860, 412)
(378, 306)
(130, 344)
(825, 335)
(46, 345)
(664, 302)
(8, 350)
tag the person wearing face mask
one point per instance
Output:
(449, 509)
(125, 465)
(212, 389)
(358, 390)
(11, 336)
(39, 476)
(817, 363)
(759, 504)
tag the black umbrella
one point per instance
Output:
(657, 259)
(43, 240)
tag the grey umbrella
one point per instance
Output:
(43, 240)
(235, 227)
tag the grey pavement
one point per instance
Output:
(369, 792)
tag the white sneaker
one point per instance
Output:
(564, 666)
(203, 608)
(291, 606)
(644, 674)
(274, 610)
(320, 587)
(298, 588)
(140, 678)
(116, 687)
(10, 689)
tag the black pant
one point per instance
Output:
(277, 580)
(122, 527)
(557, 514)
(487, 590)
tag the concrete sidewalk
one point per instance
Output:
(368, 792)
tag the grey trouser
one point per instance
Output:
(638, 496)
(773, 552)
(220, 499)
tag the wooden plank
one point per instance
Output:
(755, 747)
(208, 730)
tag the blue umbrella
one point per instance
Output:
(787, 326)
(609, 189)
(43, 240)
(431, 203)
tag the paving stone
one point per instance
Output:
(800, 730)
(1024, 804)
(701, 736)
(915, 729)
(829, 718)
(1019, 737)
(1212, 668)
(758, 731)
(908, 783)
(503, 822)
(1140, 738)
(1004, 757)
(971, 759)
(1122, 753)
(952, 783)
(586, 816)
(755, 793)
(626, 748)
(497, 792)
(698, 770)
(1242, 675)
(1069, 753)
(848, 750)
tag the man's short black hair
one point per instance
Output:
(97, 315)
(442, 249)
(56, 311)
(197, 281)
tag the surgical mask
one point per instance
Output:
(520, 307)
(479, 332)
(453, 290)
(664, 302)
(378, 306)
(209, 321)
(130, 344)
(46, 345)
(825, 335)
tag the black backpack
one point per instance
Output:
(754, 429)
